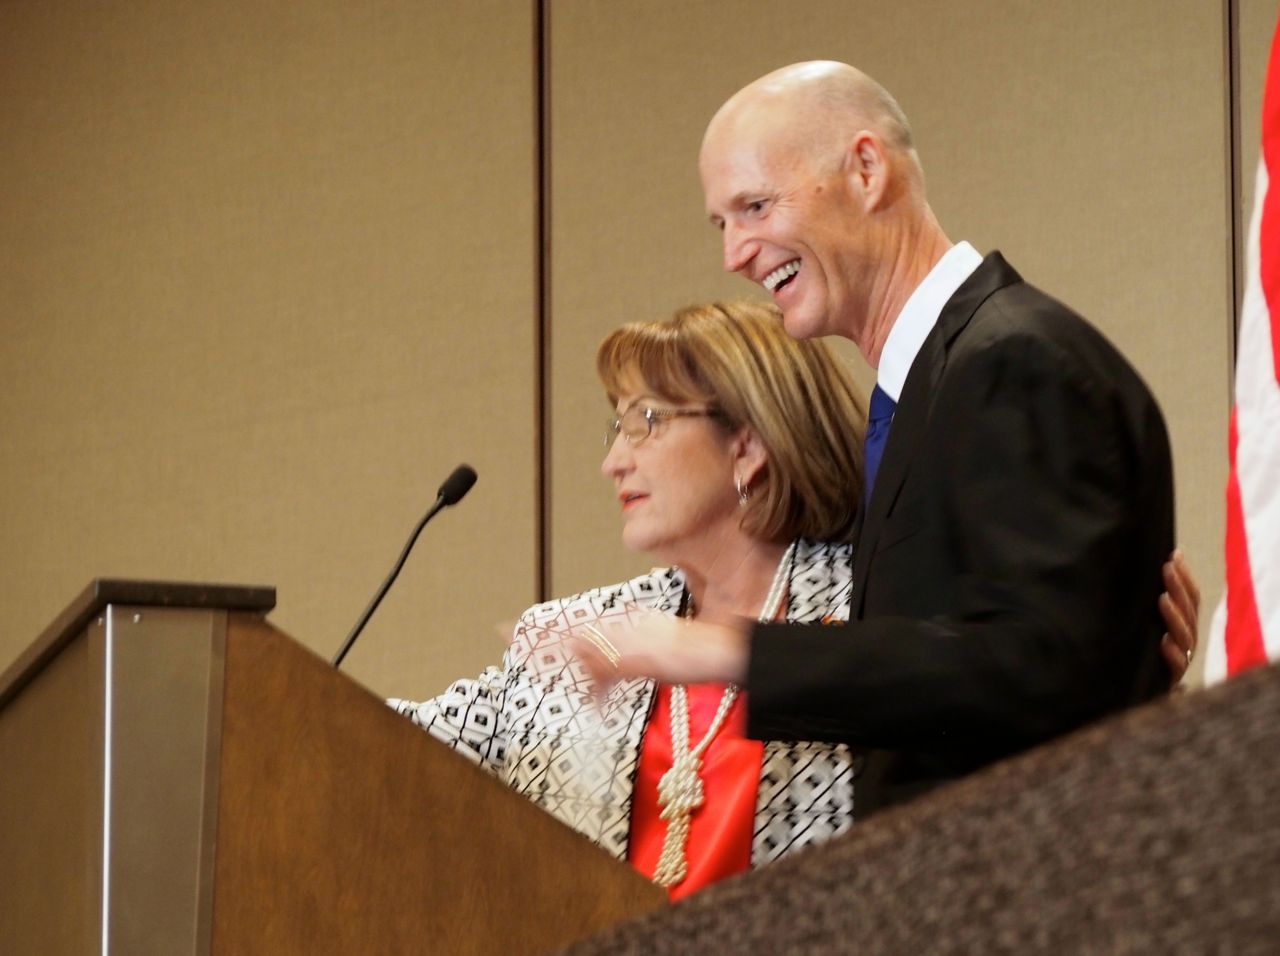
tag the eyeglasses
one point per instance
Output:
(636, 423)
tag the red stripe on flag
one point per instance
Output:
(1269, 238)
(1244, 644)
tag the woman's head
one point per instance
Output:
(796, 399)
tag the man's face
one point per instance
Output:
(788, 225)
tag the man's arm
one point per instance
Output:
(1013, 594)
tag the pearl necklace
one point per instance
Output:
(680, 791)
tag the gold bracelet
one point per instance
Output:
(596, 639)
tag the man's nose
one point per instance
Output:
(739, 248)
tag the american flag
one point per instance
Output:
(1246, 627)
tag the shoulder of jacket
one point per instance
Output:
(659, 589)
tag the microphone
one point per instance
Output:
(451, 492)
(455, 486)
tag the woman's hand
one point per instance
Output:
(664, 648)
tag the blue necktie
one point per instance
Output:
(879, 418)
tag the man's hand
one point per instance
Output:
(1180, 606)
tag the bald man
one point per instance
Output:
(1019, 500)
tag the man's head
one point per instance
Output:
(811, 174)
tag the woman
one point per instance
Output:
(733, 453)
(736, 450)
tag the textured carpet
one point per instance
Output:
(1157, 831)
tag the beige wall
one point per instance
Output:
(268, 271)
(267, 276)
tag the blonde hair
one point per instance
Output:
(800, 400)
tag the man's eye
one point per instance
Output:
(756, 206)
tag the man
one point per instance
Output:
(1007, 567)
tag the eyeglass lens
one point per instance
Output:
(635, 424)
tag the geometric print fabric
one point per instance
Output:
(536, 723)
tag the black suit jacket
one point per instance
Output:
(1007, 569)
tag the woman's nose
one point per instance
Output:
(618, 458)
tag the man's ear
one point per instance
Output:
(751, 460)
(868, 167)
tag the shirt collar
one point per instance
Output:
(920, 315)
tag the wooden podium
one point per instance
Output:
(179, 776)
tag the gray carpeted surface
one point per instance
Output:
(1154, 832)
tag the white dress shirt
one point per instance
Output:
(920, 314)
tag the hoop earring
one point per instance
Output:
(744, 491)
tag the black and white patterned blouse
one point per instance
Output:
(535, 721)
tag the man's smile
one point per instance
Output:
(781, 275)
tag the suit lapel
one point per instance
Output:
(915, 406)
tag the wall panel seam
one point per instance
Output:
(1236, 216)
(542, 318)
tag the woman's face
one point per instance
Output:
(676, 486)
